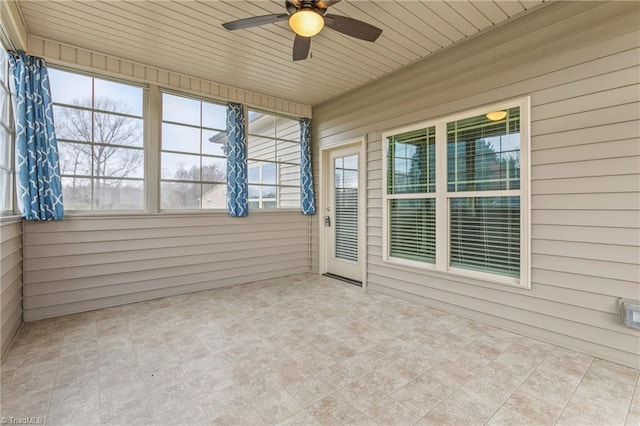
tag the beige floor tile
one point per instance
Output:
(226, 400)
(276, 407)
(552, 386)
(633, 417)
(425, 392)
(566, 362)
(243, 417)
(258, 387)
(445, 414)
(496, 382)
(311, 389)
(333, 409)
(22, 405)
(33, 377)
(603, 396)
(532, 406)
(481, 407)
(301, 418)
(123, 411)
(387, 412)
(366, 391)
(75, 404)
(461, 367)
(416, 363)
(177, 405)
(506, 416)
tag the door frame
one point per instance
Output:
(362, 202)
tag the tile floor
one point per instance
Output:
(303, 350)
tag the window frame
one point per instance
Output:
(443, 197)
(144, 147)
(9, 128)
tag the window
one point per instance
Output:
(7, 138)
(411, 194)
(454, 198)
(274, 161)
(99, 127)
(193, 162)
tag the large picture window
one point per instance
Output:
(7, 139)
(274, 161)
(99, 127)
(193, 163)
(456, 198)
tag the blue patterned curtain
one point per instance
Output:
(38, 172)
(307, 204)
(237, 186)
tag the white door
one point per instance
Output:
(342, 213)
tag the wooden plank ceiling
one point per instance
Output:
(187, 37)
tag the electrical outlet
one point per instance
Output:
(630, 313)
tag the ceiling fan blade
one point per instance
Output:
(255, 21)
(323, 4)
(301, 46)
(352, 27)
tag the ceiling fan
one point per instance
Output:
(306, 18)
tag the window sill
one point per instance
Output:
(10, 218)
(166, 213)
(467, 275)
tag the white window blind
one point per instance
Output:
(485, 234)
(412, 229)
(346, 205)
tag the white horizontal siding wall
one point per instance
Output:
(85, 263)
(10, 281)
(579, 62)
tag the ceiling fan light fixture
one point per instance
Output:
(496, 115)
(306, 22)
